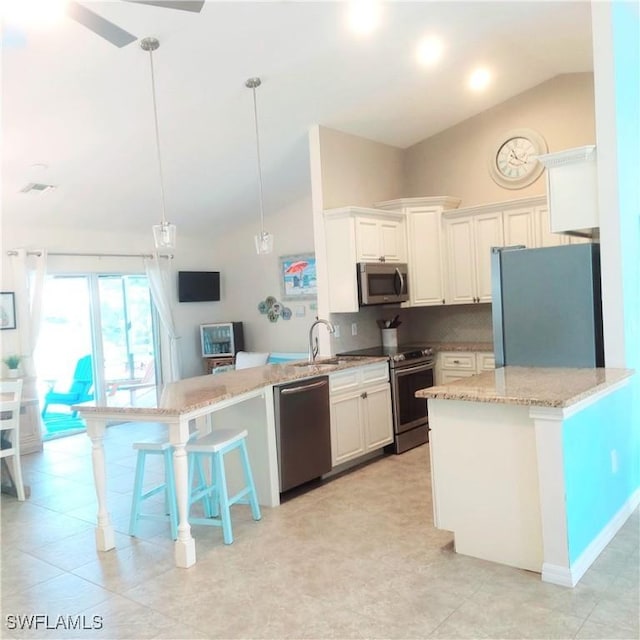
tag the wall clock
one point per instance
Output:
(513, 162)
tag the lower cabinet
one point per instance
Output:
(453, 365)
(361, 419)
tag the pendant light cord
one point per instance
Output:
(255, 119)
(155, 115)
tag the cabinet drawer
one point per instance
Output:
(378, 372)
(344, 380)
(451, 376)
(458, 361)
(486, 361)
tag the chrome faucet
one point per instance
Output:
(313, 351)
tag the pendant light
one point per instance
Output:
(264, 239)
(164, 234)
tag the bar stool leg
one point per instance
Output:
(223, 497)
(253, 496)
(137, 493)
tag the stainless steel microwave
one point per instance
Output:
(382, 283)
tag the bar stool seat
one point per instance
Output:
(214, 493)
(164, 449)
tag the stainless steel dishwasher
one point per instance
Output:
(303, 432)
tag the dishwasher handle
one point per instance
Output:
(303, 387)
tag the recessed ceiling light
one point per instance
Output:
(429, 50)
(364, 16)
(480, 79)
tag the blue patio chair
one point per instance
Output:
(81, 389)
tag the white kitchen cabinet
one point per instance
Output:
(361, 419)
(543, 234)
(453, 365)
(519, 227)
(469, 239)
(425, 247)
(359, 234)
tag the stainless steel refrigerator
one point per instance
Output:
(547, 306)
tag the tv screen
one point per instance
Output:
(198, 286)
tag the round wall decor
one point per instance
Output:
(513, 162)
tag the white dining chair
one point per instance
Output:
(248, 359)
(10, 397)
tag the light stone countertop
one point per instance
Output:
(530, 386)
(191, 394)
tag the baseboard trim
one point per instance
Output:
(570, 576)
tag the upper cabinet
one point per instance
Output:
(470, 234)
(424, 246)
(359, 234)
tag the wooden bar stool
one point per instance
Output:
(164, 449)
(214, 493)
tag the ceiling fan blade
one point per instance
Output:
(99, 25)
(183, 5)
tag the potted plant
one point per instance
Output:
(12, 362)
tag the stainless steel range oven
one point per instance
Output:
(411, 368)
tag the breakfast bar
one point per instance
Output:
(235, 398)
(518, 470)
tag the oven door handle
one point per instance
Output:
(419, 367)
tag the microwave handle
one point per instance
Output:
(400, 276)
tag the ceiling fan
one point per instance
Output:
(112, 32)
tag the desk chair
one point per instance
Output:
(10, 397)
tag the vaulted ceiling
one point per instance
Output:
(78, 105)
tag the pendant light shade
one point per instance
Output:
(263, 239)
(164, 234)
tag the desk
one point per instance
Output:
(240, 398)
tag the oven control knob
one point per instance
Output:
(427, 352)
(399, 357)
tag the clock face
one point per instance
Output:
(515, 158)
(513, 162)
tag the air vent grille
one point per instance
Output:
(37, 187)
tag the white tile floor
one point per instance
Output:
(355, 558)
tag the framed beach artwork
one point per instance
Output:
(7, 310)
(298, 277)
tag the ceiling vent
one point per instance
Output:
(37, 187)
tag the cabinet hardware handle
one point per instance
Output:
(383, 259)
(442, 300)
(456, 362)
(363, 395)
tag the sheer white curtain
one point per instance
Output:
(29, 271)
(160, 282)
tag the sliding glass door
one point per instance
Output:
(98, 337)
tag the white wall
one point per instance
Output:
(245, 277)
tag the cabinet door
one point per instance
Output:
(378, 422)
(485, 361)
(368, 247)
(519, 227)
(460, 261)
(425, 257)
(392, 241)
(544, 235)
(488, 233)
(347, 437)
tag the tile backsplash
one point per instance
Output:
(450, 323)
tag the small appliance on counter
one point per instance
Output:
(411, 368)
(221, 339)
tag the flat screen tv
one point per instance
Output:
(198, 286)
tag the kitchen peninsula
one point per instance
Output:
(523, 461)
(239, 398)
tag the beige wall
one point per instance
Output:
(358, 172)
(455, 161)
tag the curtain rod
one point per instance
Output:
(168, 256)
